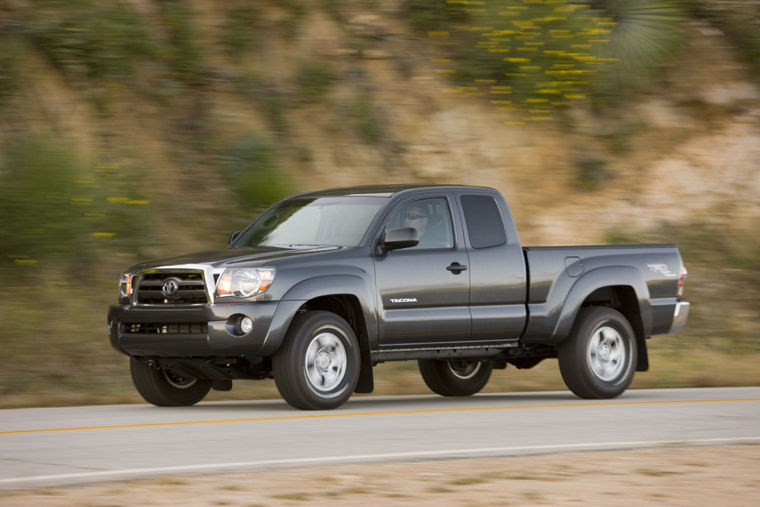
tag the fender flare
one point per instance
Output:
(311, 288)
(593, 280)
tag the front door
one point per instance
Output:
(424, 290)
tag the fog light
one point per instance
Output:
(246, 325)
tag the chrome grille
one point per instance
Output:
(172, 288)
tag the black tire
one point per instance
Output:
(455, 377)
(317, 366)
(598, 359)
(165, 388)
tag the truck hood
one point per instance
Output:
(233, 256)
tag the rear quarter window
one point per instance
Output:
(484, 225)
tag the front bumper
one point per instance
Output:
(206, 331)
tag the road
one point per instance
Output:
(44, 447)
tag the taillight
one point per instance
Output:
(681, 281)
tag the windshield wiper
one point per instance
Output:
(301, 246)
(308, 245)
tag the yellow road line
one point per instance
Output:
(385, 412)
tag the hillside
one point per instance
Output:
(144, 128)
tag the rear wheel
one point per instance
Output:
(317, 367)
(455, 377)
(598, 358)
(164, 387)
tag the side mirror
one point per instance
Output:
(234, 236)
(403, 237)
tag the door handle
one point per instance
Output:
(456, 268)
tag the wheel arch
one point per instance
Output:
(348, 307)
(594, 363)
(622, 298)
(346, 296)
(629, 295)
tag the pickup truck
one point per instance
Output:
(323, 286)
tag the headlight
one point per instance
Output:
(126, 285)
(244, 282)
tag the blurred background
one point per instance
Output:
(136, 129)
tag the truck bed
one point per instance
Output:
(553, 272)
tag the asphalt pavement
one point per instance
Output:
(42, 447)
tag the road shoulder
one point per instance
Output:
(675, 476)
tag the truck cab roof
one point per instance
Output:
(381, 190)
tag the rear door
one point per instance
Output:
(424, 290)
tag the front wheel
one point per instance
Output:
(455, 377)
(164, 387)
(598, 358)
(317, 367)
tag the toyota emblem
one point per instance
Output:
(170, 287)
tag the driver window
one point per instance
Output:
(432, 220)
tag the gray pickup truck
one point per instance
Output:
(325, 285)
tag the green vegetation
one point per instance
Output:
(592, 172)
(620, 136)
(645, 35)
(11, 72)
(368, 125)
(540, 56)
(268, 98)
(270, 101)
(184, 52)
(436, 15)
(53, 207)
(39, 194)
(57, 211)
(87, 39)
(315, 79)
(291, 24)
(240, 30)
(251, 165)
(335, 8)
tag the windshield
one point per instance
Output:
(313, 221)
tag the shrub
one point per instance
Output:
(184, 53)
(526, 55)
(11, 74)
(251, 166)
(368, 124)
(646, 34)
(95, 40)
(269, 98)
(38, 185)
(336, 9)
(315, 79)
(240, 29)
(592, 173)
(434, 15)
(540, 55)
(53, 205)
(291, 24)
